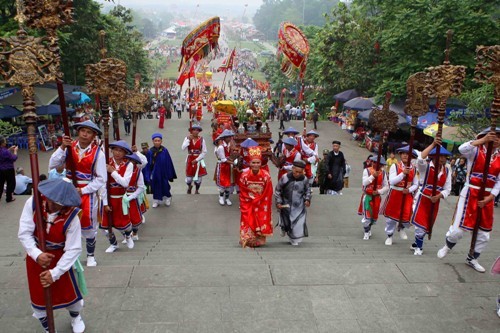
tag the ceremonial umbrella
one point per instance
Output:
(346, 95)
(451, 134)
(225, 107)
(359, 104)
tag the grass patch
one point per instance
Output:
(245, 44)
(171, 72)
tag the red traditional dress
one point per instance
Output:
(223, 169)
(290, 157)
(161, 114)
(136, 208)
(256, 198)
(394, 201)
(421, 212)
(466, 211)
(309, 153)
(65, 290)
(85, 172)
(369, 205)
(120, 221)
(195, 149)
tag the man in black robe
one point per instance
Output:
(336, 170)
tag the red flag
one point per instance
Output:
(230, 60)
(186, 73)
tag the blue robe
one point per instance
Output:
(162, 172)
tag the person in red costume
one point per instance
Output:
(256, 199)
(469, 204)
(161, 114)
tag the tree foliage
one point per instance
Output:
(79, 42)
(268, 17)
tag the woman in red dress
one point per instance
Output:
(256, 199)
(161, 114)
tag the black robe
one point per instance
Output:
(336, 168)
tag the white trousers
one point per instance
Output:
(77, 307)
(390, 226)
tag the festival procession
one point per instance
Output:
(244, 167)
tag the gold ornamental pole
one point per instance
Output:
(26, 61)
(50, 15)
(106, 79)
(442, 82)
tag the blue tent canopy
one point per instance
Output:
(427, 119)
(9, 112)
(51, 110)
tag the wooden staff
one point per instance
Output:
(443, 82)
(189, 104)
(385, 121)
(134, 127)
(437, 167)
(116, 125)
(417, 104)
(105, 121)
(379, 156)
(487, 71)
(30, 118)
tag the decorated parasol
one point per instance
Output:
(227, 107)
(201, 41)
(293, 50)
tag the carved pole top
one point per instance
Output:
(102, 44)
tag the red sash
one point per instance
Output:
(65, 291)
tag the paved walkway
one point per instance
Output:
(188, 274)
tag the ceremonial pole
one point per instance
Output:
(38, 16)
(384, 121)
(417, 105)
(135, 103)
(487, 71)
(107, 79)
(27, 61)
(443, 82)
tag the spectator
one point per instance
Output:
(57, 172)
(126, 122)
(281, 118)
(460, 175)
(7, 173)
(346, 175)
(24, 184)
(390, 161)
(315, 118)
